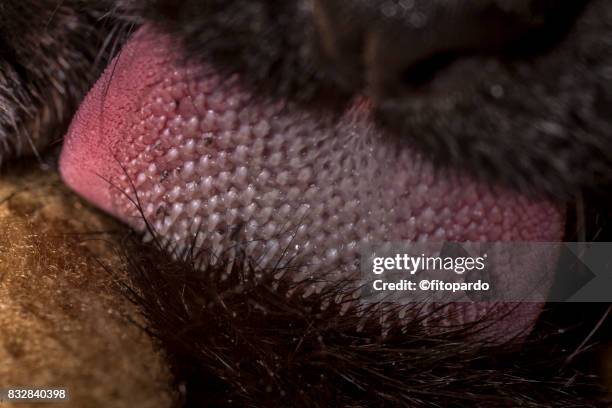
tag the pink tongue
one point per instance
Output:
(205, 154)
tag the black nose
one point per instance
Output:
(387, 46)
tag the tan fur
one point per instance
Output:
(62, 321)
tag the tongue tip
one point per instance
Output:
(89, 162)
(80, 169)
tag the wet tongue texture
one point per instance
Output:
(206, 155)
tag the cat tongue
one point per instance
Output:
(205, 154)
(101, 129)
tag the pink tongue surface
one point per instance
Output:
(205, 154)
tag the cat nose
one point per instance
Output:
(388, 46)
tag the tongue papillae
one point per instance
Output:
(205, 154)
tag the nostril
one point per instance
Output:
(387, 53)
(424, 71)
(556, 21)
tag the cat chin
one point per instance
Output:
(255, 341)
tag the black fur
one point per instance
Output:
(244, 342)
(50, 53)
